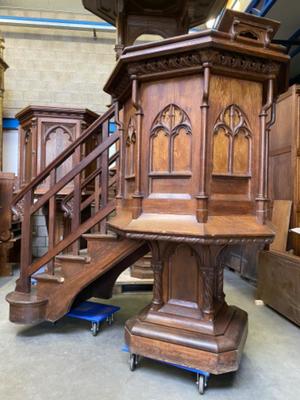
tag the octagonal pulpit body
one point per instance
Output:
(194, 118)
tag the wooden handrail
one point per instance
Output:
(65, 154)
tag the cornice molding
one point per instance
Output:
(216, 59)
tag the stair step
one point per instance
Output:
(24, 298)
(44, 277)
(26, 307)
(99, 236)
(70, 257)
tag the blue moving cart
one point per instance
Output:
(202, 376)
(94, 313)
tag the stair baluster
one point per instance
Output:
(104, 175)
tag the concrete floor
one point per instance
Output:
(66, 362)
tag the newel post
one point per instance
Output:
(52, 222)
(76, 201)
(23, 283)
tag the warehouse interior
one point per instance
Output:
(149, 155)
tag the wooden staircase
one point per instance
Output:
(49, 286)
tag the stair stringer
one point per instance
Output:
(88, 282)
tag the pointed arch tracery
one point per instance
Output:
(232, 138)
(170, 141)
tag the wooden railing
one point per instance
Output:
(88, 188)
(26, 203)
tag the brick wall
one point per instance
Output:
(55, 66)
(52, 67)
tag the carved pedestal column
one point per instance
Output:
(188, 322)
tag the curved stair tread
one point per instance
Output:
(26, 308)
(25, 298)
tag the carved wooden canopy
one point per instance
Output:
(166, 18)
(197, 11)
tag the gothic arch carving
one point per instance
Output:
(130, 148)
(58, 129)
(171, 141)
(232, 138)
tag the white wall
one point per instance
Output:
(10, 150)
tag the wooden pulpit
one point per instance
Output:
(44, 133)
(194, 117)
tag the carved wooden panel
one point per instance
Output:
(55, 139)
(130, 149)
(232, 143)
(179, 293)
(171, 142)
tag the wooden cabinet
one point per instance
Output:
(279, 283)
(44, 133)
(7, 181)
(284, 161)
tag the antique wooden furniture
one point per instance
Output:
(279, 283)
(44, 133)
(197, 110)
(7, 181)
(284, 158)
(193, 115)
(3, 67)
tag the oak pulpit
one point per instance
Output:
(194, 117)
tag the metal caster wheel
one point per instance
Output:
(110, 320)
(133, 362)
(201, 383)
(95, 328)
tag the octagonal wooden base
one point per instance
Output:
(216, 354)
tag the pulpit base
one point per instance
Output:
(216, 354)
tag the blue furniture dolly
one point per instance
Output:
(202, 376)
(95, 313)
